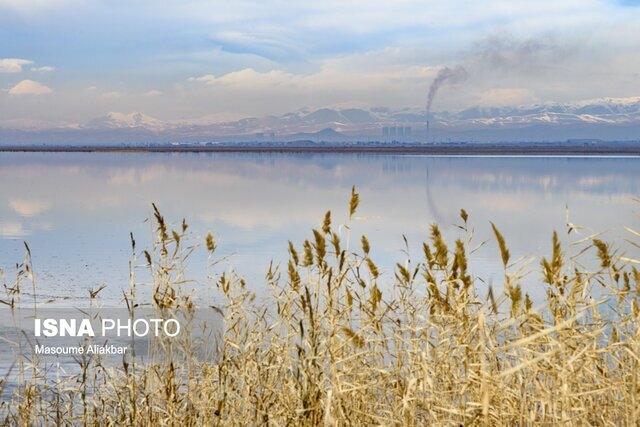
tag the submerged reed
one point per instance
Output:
(336, 346)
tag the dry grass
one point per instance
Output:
(332, 348)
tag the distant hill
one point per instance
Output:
(324, 135)
(604, 118)
(127, 121)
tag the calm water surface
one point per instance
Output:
(76, 210)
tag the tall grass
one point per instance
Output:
(336, 345)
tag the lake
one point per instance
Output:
(76, 210)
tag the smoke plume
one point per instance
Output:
(445, 76)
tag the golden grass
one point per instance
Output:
(333, 348)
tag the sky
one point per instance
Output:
(68, 61)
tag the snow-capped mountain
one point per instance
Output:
(603, 110)
(609, 111)
(604, 118)
(122, 121)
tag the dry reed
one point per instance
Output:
(333, 348)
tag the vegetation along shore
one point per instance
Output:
(340, 343)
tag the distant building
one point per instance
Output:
(396, 133)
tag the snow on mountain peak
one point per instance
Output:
(369, 121)
(116, 120)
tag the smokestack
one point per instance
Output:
(444, 76)
(427, 129)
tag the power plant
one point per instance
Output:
(396, 133)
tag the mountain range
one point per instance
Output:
(604, 118)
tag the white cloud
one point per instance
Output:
(33, 6)
(503, 97)
(29, 87)
(353, 80)
(13, 65)
(112, 95)
(45, 69)
(152, 92)
(312, 54)
(207, 78)
(347, 73)
(249, 78)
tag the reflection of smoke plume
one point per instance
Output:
(445, 76)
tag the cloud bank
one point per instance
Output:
(197, 58)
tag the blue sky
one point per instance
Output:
(71, 60)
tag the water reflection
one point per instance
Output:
(76, 210)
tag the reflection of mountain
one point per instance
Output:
(607, 118)
(509, 174)
(256, 202)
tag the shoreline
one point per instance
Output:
(431, 149)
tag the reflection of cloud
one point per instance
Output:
(45, 226)
(28, 207)
(277, 192)
(506, 202)
(135, 176)
(593, 181)
(255, 203)
(12, 230)
(510, 179)
(257, 215)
